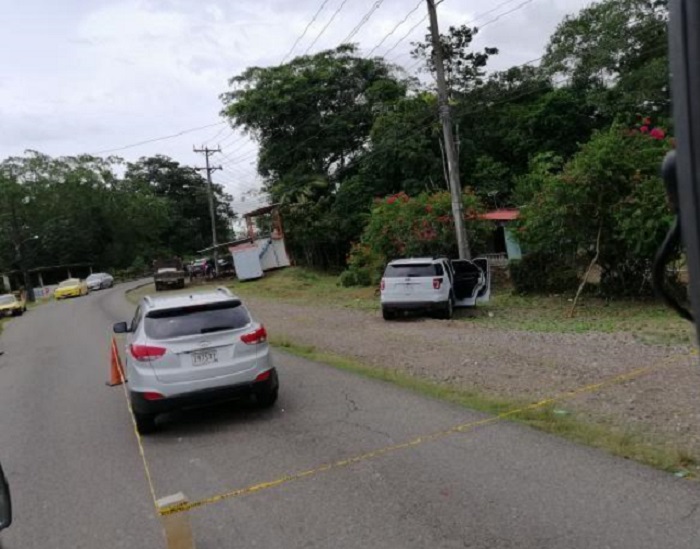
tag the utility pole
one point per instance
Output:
(450, 149)
(212, 212)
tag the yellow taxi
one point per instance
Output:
(73, 287)
(12, 305)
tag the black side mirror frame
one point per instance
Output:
(5, 502)
(120, 328)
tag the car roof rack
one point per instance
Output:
(224, 290)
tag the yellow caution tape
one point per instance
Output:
(186, 506)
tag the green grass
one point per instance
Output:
(649, 321)
(293, 285)
(305, 286)
(624, 443)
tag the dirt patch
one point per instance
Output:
(517, 365)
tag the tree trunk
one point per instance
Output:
(588, 271)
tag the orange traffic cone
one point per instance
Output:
(116, 376)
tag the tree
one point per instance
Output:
(312, 118)
(608, 201)
(464, 69)
(184, 190)
(616, 51)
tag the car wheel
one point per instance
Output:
(158, 288)
(267, 399)
(145, 423)
(387, 314)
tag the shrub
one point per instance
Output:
(539, 272)
(404, 226)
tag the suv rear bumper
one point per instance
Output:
(203, 397)
(413, 305)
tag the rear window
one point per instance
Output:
(413, 270)
(197, 319)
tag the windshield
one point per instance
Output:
(70, 282)
(7, 299)
(94, 277)
(194, 320)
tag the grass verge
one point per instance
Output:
(648, 321)
(551, 419)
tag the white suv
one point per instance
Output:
(192, 349)
(433, 284)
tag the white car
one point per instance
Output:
(188, 350)
(434, 285)
(99, 281)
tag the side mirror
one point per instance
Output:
(120, 328)
(5, 502)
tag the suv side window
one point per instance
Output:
(136, 320)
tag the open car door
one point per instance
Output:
(485, 292)
(469, 281)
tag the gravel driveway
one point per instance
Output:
(513, 364)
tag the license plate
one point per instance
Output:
(202, 358)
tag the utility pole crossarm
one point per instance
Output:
(450, 149)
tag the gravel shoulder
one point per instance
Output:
(514, 365)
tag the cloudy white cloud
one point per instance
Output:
(89, 75)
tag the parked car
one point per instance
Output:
(5, 502)
(12, 305)
(190, 350)
(226, 265)
(73, 287)
(99, 281)
(433, 285)
(169, 273)
(198, 267)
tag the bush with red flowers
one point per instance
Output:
(403, 226)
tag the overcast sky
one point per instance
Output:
(84, 76)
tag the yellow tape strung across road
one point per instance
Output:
(402, 446)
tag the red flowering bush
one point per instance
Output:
(403, 226)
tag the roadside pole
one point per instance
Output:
(450, 149)
(212, 212)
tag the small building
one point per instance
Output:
(504, 245)
(264, 248)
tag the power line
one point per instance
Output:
(410, 31)
(363, 21)
(516, 8)
(328, 24)
(156, 139)
(392, 31)
(222, 130)
(308, 26)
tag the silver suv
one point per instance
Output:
(192, 349)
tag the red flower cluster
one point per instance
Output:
(645, 128)
(402, 196)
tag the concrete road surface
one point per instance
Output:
(69, 451)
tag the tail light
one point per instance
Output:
(382, 285)
(143, 353)
(264, 376)
(437, 282)
(152, 396)
(258, 336)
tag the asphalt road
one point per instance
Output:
(68, 448)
